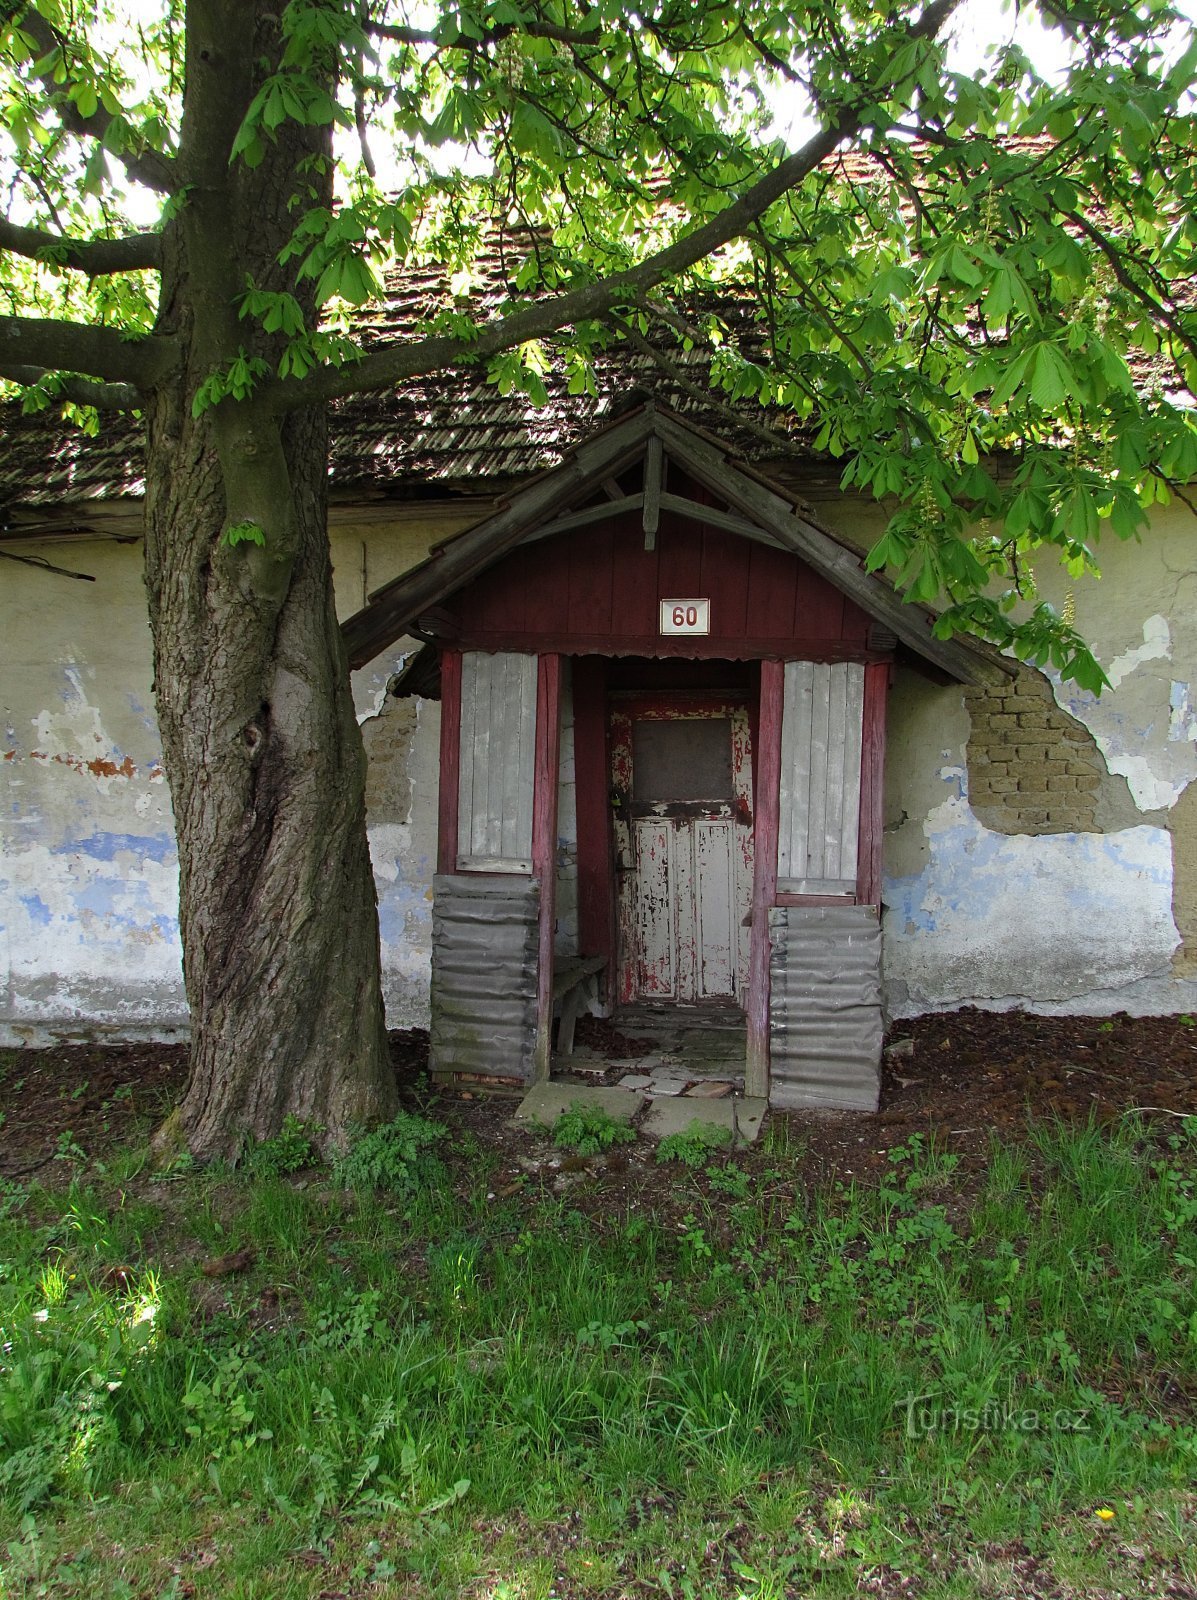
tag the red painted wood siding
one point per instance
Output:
(597, 590)
(764, 887)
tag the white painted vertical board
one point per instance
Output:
(656, 901)
(821, 738)
(498, 762)
(716, 942)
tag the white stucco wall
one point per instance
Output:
(1064, 921)
(89, 938)
(88, 872)
(89, 934)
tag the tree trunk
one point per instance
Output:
(262, 751)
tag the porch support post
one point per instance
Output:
(764, 876)
(544, 849)
(447, 797)
(872, 782)
(592, 771)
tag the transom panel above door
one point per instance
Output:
(681, 770)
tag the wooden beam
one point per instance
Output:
(588, 514)
(393, 606)
(678, 504)
(872, 783)
(544, 850)
(447, 798)
(714, 518)
(765, 803)
(654, 474)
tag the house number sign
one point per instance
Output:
(685, 616)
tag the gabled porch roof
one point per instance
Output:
(583, 491)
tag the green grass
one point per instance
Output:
(456, 1391)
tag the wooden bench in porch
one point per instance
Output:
(569, 985)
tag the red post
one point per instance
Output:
(544, 849)
(446, 828)
(766, 801)
(872, 783)
(596, 882)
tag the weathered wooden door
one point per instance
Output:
(682, 797)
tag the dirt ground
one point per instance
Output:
(959, 1075)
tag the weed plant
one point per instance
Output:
(767, 1389)
(589, 1130)
(694, 1145)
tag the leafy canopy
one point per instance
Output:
(971, 288)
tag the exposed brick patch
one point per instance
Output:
(1031, 767)
(387, 738)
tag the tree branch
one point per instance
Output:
(96, 257)
(593, 301)
(46, 344)
(82, 391)
(150, 167)
(396, 34)
(1118, 263)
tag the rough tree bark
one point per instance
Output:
(261, 747)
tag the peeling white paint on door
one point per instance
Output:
(684, 864)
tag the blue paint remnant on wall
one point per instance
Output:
(107, 846)
(146, 713)
(395, 904)
(1050, 915)
(1182, 724)
(903, 897)
(970, 865)
(36, 909)
(101, 896)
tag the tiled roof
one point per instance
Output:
(453, 429)
(450, 433)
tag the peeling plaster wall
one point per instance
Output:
(89, 942)
(89, 938)
(1073, 921)
(1099, 919)
(403, 750)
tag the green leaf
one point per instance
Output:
(243, 533)
(1052, 378)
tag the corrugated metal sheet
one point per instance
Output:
(819, 819)
(498, 753)
(825, 1029)
(484, 958)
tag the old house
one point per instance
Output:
(641, 730)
